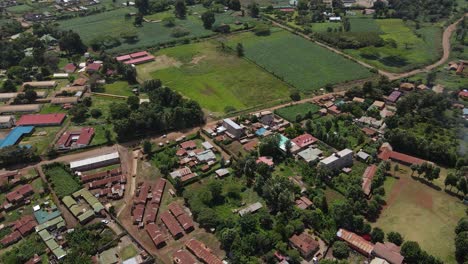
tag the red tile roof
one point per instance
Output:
(463, 94)
(304, 243)
(138, 54)
(176, 209)
(181, 152)
(106, 181)
(356, 242)
(304, 140)
(155, 234)
(93, 67)
(151, 213)
(123, 58)
(138, 212)
(387, 154)
(140, 60)
(267, 160)
(303, 203)
(79, 82)
(20, 193)
(158, 191)
(12, 238)
(34, 260)
(143, 194)
(188, 145)
(100, 175)
(183, 257)
(367, 177)
(84, 137)
(388, 251)
(202, 252)
(41, 119)
(69, 68)
(184, 220)
(172, 225)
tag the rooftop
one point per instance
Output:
(41, 119)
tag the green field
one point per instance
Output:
(421, 214)
(364, 24)
(113, 23)
(299, 62)
(118, 88)
(410, 52)
(214, 78)
(61, 180)
(290, 112)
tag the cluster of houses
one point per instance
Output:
(147, 202)
(192, 158)
(20, 228)
(458, 67)
(135, 58)
(83, 205)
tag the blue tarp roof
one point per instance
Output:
(260, 131)
(15, 135)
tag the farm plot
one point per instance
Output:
(291, 113)
(403, 50)
(299, 62)
(421, 214)
(62, 181)
(218, 80)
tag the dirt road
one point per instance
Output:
(392, 76)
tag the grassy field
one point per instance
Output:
(41, 138)
(128, 252)
(118, 88)
(410, 51)
(214, 78)
(299, 62)
(421, 213)
(113, 23)
(364, 24)
(61, 181)
(290, 112)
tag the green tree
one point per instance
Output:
(377, 235)
(8, 86)
(147, 147)
(142, 5)
(180, 9)
(461, 246)
(138, 20)
(208, 19)
(96, 113)
(340, 250)
(234, 5)
(71, 43)
(133, 102)
(395, 237)
(254, 10)
(240, 50)
(295, 95)
(411, 251)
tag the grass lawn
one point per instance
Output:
(118, 88)
(290, 112)
(214, 78)
(302, 63)
(50, 109)
(410, 52)
(421, 213)
(41, 138)
(364, 24)
(323, 27)
(128, 252)
(61, 181)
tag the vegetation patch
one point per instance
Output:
(297, 112)
(61, 179)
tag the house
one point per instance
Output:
(422, 87)
(333, 110)
(356, 242)
(184, 174)
(304, 140)
(266, 160)
(202, 252)
(183, 257)
(358, 100)
(222, 172)
(15, 135)
(7, 121)
(387, 153)
(65, 100)
(75, 139)
(305, 244)
(378, 104)
(69, 68)
(19, 194)
(80, 82)
(93, 67)
(283, 143)
(367, 178)
(393, 97)
(13, 109)
(370, 121)
(266, 117)
(172, 225)
(252, 208)
(182, 217)
(232, 128)
(303, 203)
(463, 94)
(135, 58)
(406, 86)
(188, 145)
(363, 156)
(95, 162)
(41, 84)
(461, 68)
(41, 120)
(156, 235)
(339, 160)
(310, 155)
(388, 251)
(207, 145)
(206, 156)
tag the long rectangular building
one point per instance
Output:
(95, 162)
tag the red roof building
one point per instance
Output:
(172, 225)
(303, 203)
(135, 58)
(158, 191)
(34, 260)
(202, 252)
(107, 181)
(100, 175)
(151, 213)
(388, 251)
(267, 160)
(70, 68)
(93, 67)
(187, 145)
(304, 140)
(12, 238)
(184, 220)
(463, 94)
(356, 242)
(138, 212)
(156, 235)
(19, 194)
(76, 139)
(305, 244)
(367, 177)
(183, 257)
(388, 154)
(143, 194)
(41, 120)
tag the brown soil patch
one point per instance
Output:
(423, 199)
(197, 59)
(164, 61)
(396, 191)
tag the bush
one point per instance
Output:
(340, 250)
(96, 113)
(395, 238)
(178, 32)
(351, 40)
(262, 30)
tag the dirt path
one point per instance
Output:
(392, 76)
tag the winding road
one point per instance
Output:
(392, 76)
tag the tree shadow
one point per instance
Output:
(427, 183)
(394, 61)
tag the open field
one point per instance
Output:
(61, 181)
(409, 51)
(421, 213)
(214, 78)
(364, 24)
(111, 24)
(291, 112)
(299, 62)
(41, 138)
(118, 88)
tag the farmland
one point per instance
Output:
(214, 78)
(290, 113)
(435, 212)
(110, 25)
(297, 61)
(403, 50)
(61, 180)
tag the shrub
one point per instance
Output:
(340, 250)
(178, 32)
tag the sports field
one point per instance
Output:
(299, 62)
(214, 78)
(290, 113)
(421, 213)
(408, 51)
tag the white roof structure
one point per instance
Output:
(207, 145)
(206, 156)
(332, 158)
(222, 172)
(60, 75)
(310, 154)
(94, 160)
(363, 155)
(6, 119)
(232, 123)
(250, 209)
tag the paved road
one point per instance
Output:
(392, 76)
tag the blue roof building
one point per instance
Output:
(15, 135)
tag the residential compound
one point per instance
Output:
(338, 160)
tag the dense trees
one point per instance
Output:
(208, 19)
(17, 154)
(432, 10)
(415, 255)
(461, 240)
(340, 250)
(180, 9)
(395, 237)
(71, 43)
